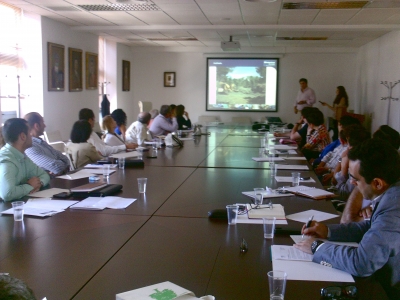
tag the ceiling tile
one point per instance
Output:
(298, 17)
(334, 16)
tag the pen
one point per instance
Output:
(308, 224)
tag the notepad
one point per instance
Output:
(264, 211)
(292, 167)
(310, 192)
(267, 194)
(267, 159)
(100, 203)
(89, 187)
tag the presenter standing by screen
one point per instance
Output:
(305, 97)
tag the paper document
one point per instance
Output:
(282, 147)
(267, 159)
(244, 219)
(84, 173)
(308, 270)
(265, 211)
(290, 253)
(304, 216)
(100, 203)
(298, 238)
(294, 158)
(98, 166)
(125, 154)
(289, 179)
(292, 167)
(48, 193)
(310, 192)
(43, 207)
(267, 194)
(291, 152)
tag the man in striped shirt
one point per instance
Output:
(41, 153)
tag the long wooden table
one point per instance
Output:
(165, 234)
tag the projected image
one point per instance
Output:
(242, 84)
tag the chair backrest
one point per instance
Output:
(60, 146)
(241, 120)
(145, 106)
(53, 136)
(71, 162)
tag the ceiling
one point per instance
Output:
(201, 25)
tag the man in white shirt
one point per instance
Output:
(137, 132)
(105, 150)
(305, 97)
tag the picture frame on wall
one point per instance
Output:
(169, 79)
(92, 67)
(56, 67)
(75, 70)
(126, 76)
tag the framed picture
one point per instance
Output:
(126, 76)
(56, 67)
(169, 79)
(91, 69)
(75, 70)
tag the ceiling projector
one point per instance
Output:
(230, 46)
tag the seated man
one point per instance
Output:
(20, 176)
(41, 153)
(105, 150)
(375, 170)
(162, 124)
(137, 132)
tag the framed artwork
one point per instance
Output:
(92, 63)
(75, 70)
(169, 79)
(126, 76)
(56, 67)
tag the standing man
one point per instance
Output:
(374, 167)
(19, 175)
(305, 97)
(41, 153)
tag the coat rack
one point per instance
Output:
(390, 86)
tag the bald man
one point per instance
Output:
(137, 132)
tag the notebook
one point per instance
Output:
(310, 192)
(263, 211)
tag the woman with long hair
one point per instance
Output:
(180, 113)
(339, 107)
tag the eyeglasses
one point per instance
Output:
(353, 178)
(339, 292)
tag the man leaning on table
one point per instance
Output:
(19, 175)
(375, 169)
(105, 150)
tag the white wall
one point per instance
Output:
(378, 61)
(324, 71)
(60, 109)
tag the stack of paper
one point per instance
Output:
(100, 203)
(267, 159)
(99, 166)
(292, 167)
(267, 194)
(265, 211)
(310, 192)
(125, 154)
(43, 207)
(289, 179)
(84, 173)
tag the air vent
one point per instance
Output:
(324, 5)
(121, 7)
(63, 8)
(286, 38)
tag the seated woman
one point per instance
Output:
(182, 122)
(80, 151)
(111, 138)
(120, 117)
(317, 135)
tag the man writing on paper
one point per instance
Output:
(19, 175)
(375, 169)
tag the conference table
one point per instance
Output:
(165, 235)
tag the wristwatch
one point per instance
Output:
(315, 245)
